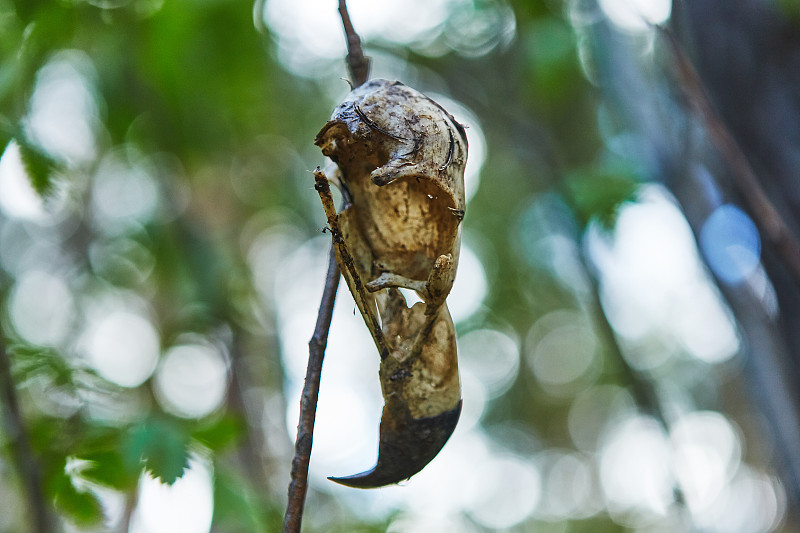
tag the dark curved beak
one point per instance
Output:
(406, 445)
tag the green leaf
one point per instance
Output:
(219, 433)
(238, 509)
(81, 506)
(791, 9)
(32, 361)
(160, 446)
(599, 194)
(45, 433)
(39, 166)
(108, 469)
(5, 133)
(99, 438)
(105, 465)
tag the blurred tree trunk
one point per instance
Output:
(748, 56)
(747, 53)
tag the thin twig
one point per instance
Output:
(308, 404)
(360, 294)
(766, 216)
(357, 62)
(40, 519)
(358, 66)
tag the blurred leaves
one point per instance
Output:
(598, 194)
(82, 506)
(237, 509)
(224, 130)
(107, 468)
(160, 446)
(791, 9)
(218, 434)
(551, 58)
(39, 167)
(33, 361)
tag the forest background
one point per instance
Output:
(627, 302)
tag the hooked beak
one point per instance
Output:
(406, 445)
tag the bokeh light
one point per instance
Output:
(731, 244)
(123, 347)
(186, 506)
(570, 486)
(18, 199)
(653, 283)
(475, 29)
(637, 15)
(475, 395)
(122, 261)
(635, 471)
(124, 193)
(750, 502)
(562, 352)
(309, 33)
(511, 490)
(593, 411)
(707, 455)
(492, 356)
(345, 434)
(470, 287)
(310, 41)
(173, 273)
(42, 308)
(63, 115)
(191, 380)
(422, 523)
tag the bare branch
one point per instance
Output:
(308, 403)
(766, 216)
(357, 62)
(358, 65)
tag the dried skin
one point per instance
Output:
(426, 384)
(401, 157)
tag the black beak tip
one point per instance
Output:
(405, 450)
(364, 480)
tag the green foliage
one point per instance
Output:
(82, 506)
(791, 9)
(114, 456)
(107, 468)
(197, 84)
(107, 456)
(100, 449)
(39, 167)
(63, 485)
(160, 446)
(552, 60)
(598, 194)
(219, 433)
(237, 509)
(33, 361)
(6, 133)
